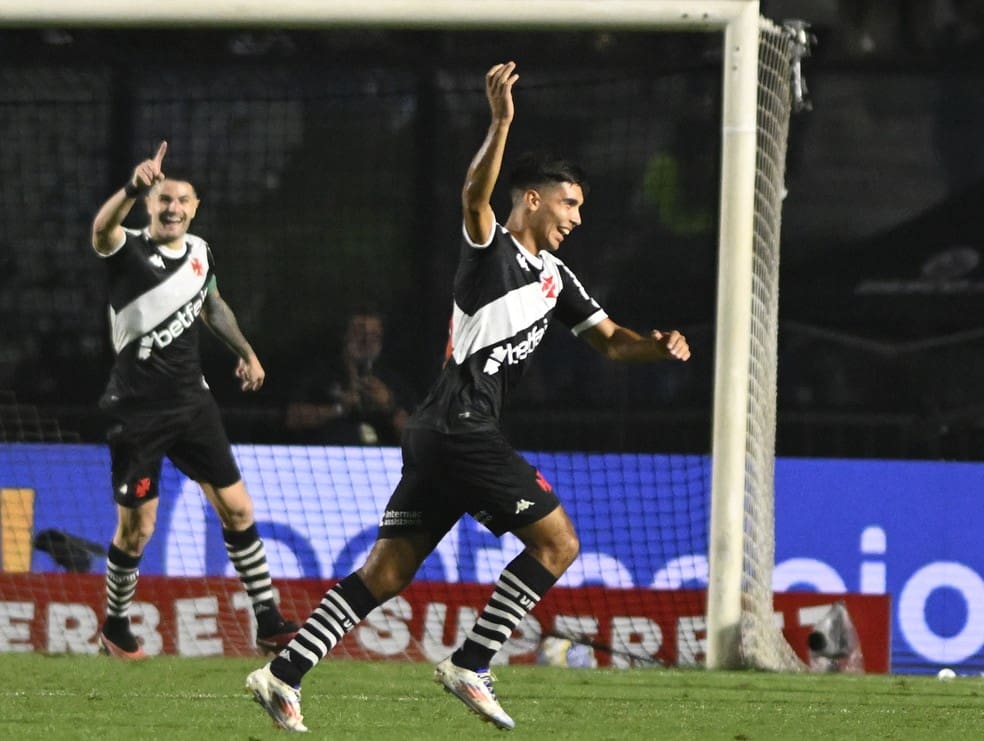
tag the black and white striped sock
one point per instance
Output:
(520, 587)
(341, 609)
(245, 549)
(122, 573)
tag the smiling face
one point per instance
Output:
(554, 212)
(171, 205)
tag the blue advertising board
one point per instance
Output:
(907, 529)
(904, 528)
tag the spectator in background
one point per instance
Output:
(354, 401)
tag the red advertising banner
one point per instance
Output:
(61, 613)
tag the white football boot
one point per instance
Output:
(475, 690)
(281, 701)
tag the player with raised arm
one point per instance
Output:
(508, 286)
(161, 279)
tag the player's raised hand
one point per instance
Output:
(498, 89)
(148, 172)
(674, 343)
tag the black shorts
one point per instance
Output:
(446, 476)
(191, 435)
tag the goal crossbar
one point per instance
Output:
(409, 14)
(739, 22)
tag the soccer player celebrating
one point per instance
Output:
(508, 286)
(160, 280)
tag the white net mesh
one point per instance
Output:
(762, 644)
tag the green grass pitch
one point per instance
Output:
(169, 698)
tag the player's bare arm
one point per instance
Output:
(107, 229)
(620, 343)
(476, 195)
(221, 320)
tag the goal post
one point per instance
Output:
(710, 15)
(740, 630)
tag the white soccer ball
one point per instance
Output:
(945, 675)
(564, 652)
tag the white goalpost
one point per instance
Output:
(740, 628)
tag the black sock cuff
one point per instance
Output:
(532, 573)
(285, 671)
(357, 594)
(121, 559)
(239, 539)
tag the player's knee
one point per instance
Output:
(236, 519)
(133, 540)
(564, 544)
(232, 504)
(567, 548)
(558, 552)
(388, 571)
(385, 580)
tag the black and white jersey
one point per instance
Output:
(155, 298)
(504, 298)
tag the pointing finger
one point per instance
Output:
(159, 157)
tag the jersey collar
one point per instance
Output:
(168, 252)
(534, 260)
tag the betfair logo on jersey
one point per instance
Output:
(511, 354)
(173, 328)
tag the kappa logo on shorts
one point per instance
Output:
(522, 505)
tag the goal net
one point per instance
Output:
(666, 538)
(761, 645)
